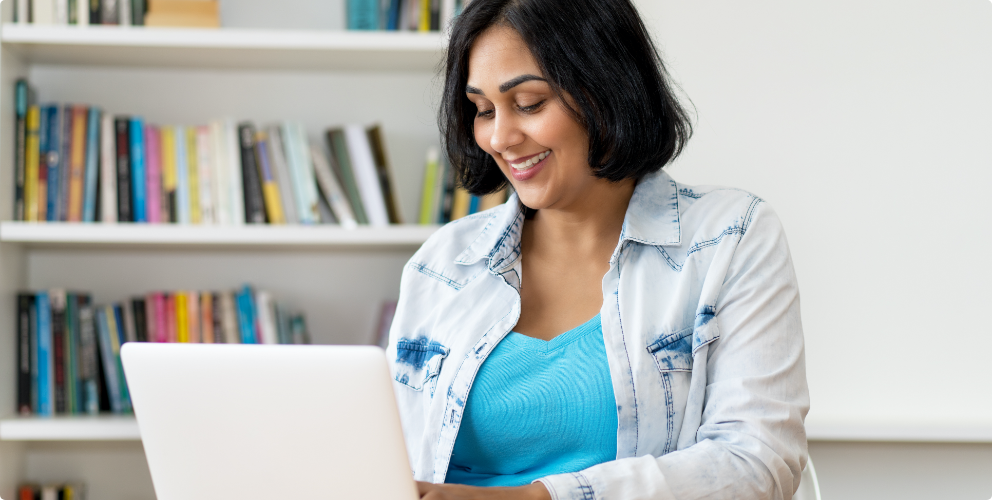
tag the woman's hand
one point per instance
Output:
(430, 491)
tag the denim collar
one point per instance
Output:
(652, 218)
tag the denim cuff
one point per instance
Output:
(572, 486)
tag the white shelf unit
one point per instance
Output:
(338, 276)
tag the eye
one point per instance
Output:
(483, 113)
(531, 108)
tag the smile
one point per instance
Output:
(528, 164)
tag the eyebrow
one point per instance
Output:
(505, 86)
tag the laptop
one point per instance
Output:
(268, 421)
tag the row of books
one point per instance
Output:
(402, 15)
(75, 163)
(189, 13)
(68, 350)
(444, 200)
(69, 491)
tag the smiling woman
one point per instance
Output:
(608, 332)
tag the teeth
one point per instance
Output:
(531, 162)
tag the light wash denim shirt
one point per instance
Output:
(703, 338)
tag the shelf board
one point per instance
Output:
(75, 235)
(70, 428)
(227, 48)
(902, 432)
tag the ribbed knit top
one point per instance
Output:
(537, 408)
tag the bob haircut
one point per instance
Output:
(599, 53)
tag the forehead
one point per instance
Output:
(498, 55)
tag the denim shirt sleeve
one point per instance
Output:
(750, 442)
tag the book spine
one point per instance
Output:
(104, 316)
(170, 183)
(282, 325)
(153, 178)
(96, 12)
(266, 317)
(306, 172)
(67, 142)
(109, 13)
(71, 353)
(193, 176)
(365, 175)
(124, 12)
(57, 301)
(222, 202)
(182, 322)
(139, 186)
(46, 373)
(378, 147)
(20, 145)
(76, 164)
(229, 318)
(341, 162)
(31, 159)
(182, 177)
(116, 341)
(254, 204)
(42, 179)
(82, 13)
(88, 363)
(161, 330)
(424, 21)
(216, 322)
(22, 12)
(280, 171)
(205, 170)
(193, 316)
(92, 165)
(108, 169)
(206, 318)
(427, 211)
(294, 162)
(393, 15)
(270, 190)
(25, 301)
(330, 187)
(138, 12)
(124, 204)
(446, 186)
(363, 14)
(48, 175)
(235, 183)
(127, 323)
(172, 333)
(61, 12)
(143, 322)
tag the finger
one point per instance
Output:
(424, 488)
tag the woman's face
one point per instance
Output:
(536, 142)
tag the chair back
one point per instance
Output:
(809, 488)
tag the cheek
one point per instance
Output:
(483, 134)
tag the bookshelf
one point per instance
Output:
(338, 276)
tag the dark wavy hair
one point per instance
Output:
(599, 53)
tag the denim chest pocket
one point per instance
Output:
(673, 352)
(418, 362)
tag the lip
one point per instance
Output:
(517, 161)
(530, 172)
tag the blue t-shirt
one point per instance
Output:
(537, 408)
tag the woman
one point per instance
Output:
(608, 332)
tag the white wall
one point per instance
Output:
(867, 124)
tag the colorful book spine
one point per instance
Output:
(139, 187)
(182, 176)
(153, 180)
(280, 171)
(46, 370)
(229, 318)
(363, 14)
(20, 146)
(270, 190)
(246, 316)
(300, 142)
(76, 163)
(329, 186)
(170, 183)
(57, 300)
(108, 170)
(182, 322)
(92, 165)
(207, 318)
(193, 316)
(428, 213)
(25, 345)
(48, 175)
(266, 317)
(31, 159)
(343, 169)
(193, 176)
(161, 328)
(124, 193)
(89, 363)
(172, 333)
(205, 171)
(115, 331)
(71, 352)
(254, 203)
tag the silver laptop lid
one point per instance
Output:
(253, 421)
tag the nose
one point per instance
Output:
(506, 132)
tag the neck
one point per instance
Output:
(589, 226)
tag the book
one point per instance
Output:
(192, 175)
(280, 172)
(126, 323)
(229, 318)
(122, 135)
(246, 315)
(445, 202)
(207, 318)
(161, 328)
(460, 205)
(221, 191)
(64, 142)
(71, 350)
(96, 11)
(301, 173)
(366, 175)
(124, 12)
(75, 164)
(42, 11)
(20, 130)
(428, 210)
(153, 179)
(266, 318)
(341, 164)
(89, 383)
(183, 13)
(385, 174)
(182, 322)
(25, 345)
(235, 183)
(393, 15)
(116, 341)
(57, 299)
(137, 12)
(142, 319)
(108, 169)
(171, 329)
(270, 189)
(181, 158)
(363, 14)
(330, 188)
(205, 170)
(31, 160)
(91, 173)
(253, 202)
(61, 9)
(46, 370)
(109, 12)
(299, 329)
(48, 167)
(170, 182)
(106, 320)
(193, 317)
(22, 12)
(139, 186)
